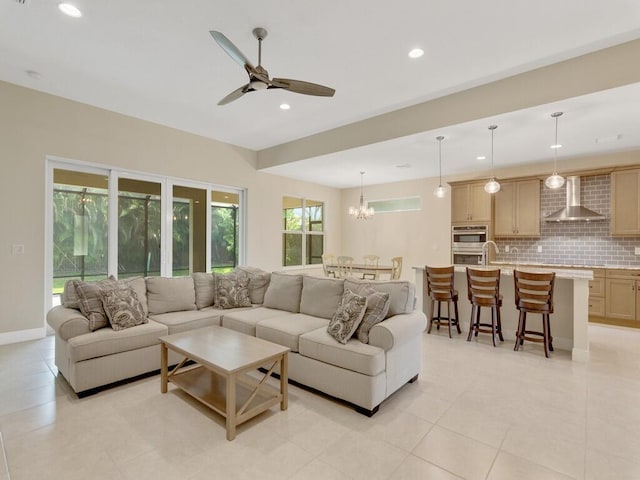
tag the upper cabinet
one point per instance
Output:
(625, 202)
(517, 209)
(470, 203)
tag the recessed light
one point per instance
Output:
(70, 10)
(416, 53)
(285, 106)
(481, 157)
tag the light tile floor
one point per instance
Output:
(475, 413)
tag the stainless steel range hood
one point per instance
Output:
(574, 211)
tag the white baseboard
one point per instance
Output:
(22, 335)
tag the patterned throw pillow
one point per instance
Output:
(122, 307)
(232, 290)
(90, 302)
(377, 308)
(348, 316)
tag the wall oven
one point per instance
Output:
(466, 243)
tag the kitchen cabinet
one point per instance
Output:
(597, 293)
(470, 203)
(625, 202)
(622, 300)
(517, 209)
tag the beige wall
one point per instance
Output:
(35, 125)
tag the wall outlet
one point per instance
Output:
(17, 249)
(506, 249)
(539, 248)
(637, 250)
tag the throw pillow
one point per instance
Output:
(376, 311)
(232, 290)
(122, 307)
(90, 302)
(258, 282)
(348, 316)
(69, 296)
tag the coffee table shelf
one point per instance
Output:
(219, 379)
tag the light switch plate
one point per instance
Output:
(637, 250)
(539, 248)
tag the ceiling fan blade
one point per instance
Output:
(236, 94)
(306, 88)
(233, 51)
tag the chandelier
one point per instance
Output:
(361, 212)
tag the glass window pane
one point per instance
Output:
(315, 249)
(80, 227)
(189, 230)
(314, 216)
(292, 213)
(224, 231)
(139, 218)
(292, 249)
(408, 204)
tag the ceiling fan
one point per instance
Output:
(259, 77)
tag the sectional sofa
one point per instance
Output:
(289, 309)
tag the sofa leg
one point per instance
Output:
(413, 379)
(367, 412)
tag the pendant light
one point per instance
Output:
(555, 180)
(492, 186)
(440, 192)
(361, 212)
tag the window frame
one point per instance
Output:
(304, 232)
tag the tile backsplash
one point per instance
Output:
(574, 243)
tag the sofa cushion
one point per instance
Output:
(283, 292)
(188, 319)
(258, 283)
(69, 298)
(344, 322)
(286, 330)
(376, 311)
(90, 301)
(232, 290)
(107, 341)
(170, 294)
(321, 295)
(245, 320)
(205, 287)
(123, 308)
(401, 293)
(355, 355)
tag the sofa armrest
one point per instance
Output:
(67, 322)
(398, 329)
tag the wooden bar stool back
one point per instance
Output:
(534, 294)
(439, 282)
(483, 289)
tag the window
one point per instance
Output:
(408, 204)
(303, 235)
(224, 230)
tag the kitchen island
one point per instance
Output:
(569, 322)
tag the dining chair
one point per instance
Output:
(345, 264)
(328, 259)
(371, 261)
(483, 290)
(439, 284)
(396, 268)
(533, 293)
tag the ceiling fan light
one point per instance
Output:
(554, 181)
(258, 84)
(440, 191)
(70, 10)
(492, 186)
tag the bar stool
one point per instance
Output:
(439, 281)
(483, 288)
(534, 294)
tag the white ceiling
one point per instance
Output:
(155, 60)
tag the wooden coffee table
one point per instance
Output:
(219, 379)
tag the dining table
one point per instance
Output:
(376, 270)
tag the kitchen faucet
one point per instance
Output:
(485, 251)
